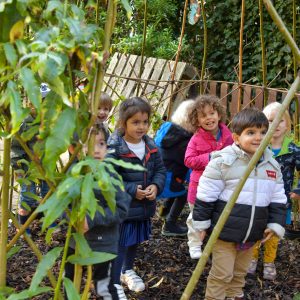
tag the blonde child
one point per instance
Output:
(287, 154)
(172, 139)
(259, 211)
(212, 134)
(131, 143)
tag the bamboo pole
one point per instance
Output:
(204, 46)
(227, 210)
(143, 46)
(286, 34)
(241, 55)
(296, 114)
(96, 92)
(177, 57)
(263, 52)
(4, 208)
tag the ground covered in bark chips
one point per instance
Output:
(165, 266)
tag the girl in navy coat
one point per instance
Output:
(130, 143)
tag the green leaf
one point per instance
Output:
(44, 266)
(30, 133)
(28, 294)
(13, 251)
(59, 139)
(31, 87)
(88, 201)
(9, 16)
(18, 114)
(11, 54)
(83, 247)
(70, 289)
(127, 7)
(124, 164)
(93, 258)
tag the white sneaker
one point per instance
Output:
(133, 281)
(120, 292)
(195, 252)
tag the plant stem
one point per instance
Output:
(177, 57)
(37, 252)
(286, 34)
(204, 47)
(4, 208)
(227, 210)
(263, 52)
(85, 293)
(241, 55)
(143, 45)
(63, 262)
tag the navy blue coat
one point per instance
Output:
(155, 173)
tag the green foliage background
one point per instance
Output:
(223, 23)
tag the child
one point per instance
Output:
(172, 139)
(102, 232)
(104, 108)
(131, 144)
(259, 210)
(287, 155)
(212, 134)
(27, 203)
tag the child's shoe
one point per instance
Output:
(252, 267)
(133, 281)
(269, 271)
(173, 229)
(120, 292)
(195, 252)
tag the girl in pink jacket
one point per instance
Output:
(211, 135)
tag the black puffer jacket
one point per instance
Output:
(172, 140)
(155, 173)
(103, 233)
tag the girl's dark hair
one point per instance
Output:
(199, 104)
(248, 117)
(130, 107)
(100, 128)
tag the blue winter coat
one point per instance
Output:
(155, 173)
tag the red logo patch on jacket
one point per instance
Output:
(271, 174)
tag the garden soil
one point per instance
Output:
(166, 267)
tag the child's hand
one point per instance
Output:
(202, 235)
(268, 233)
(294, 196)
(151, 192)
(140, 194)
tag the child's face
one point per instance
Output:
(250, 139)
(136, 127)
(100, 146)
(282, 128)
(209, 119)
(103, 112)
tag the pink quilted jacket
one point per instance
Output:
(197, 154)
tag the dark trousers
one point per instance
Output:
(101, 276)
(176, 206)
(124, 261)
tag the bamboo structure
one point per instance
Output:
(263, 52)
(177, 57)
(204, 46)
(4, 210)
(241, 54)
(143, 44)
(227, 210)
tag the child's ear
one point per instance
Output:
(235, 138)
